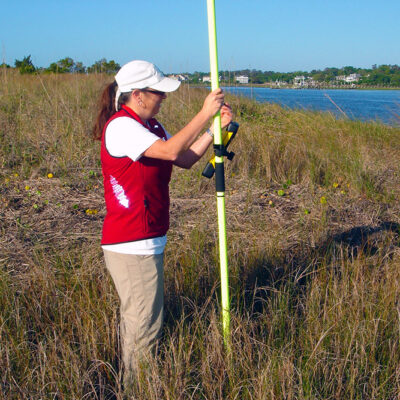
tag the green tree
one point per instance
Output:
(257, 76)
(395, 81)
(66, 65)
(330, 74)
(318, 76)
(79, 68)
(25, 66)
(348, 70)
(53, 67)
(104, 66)
(62, 66)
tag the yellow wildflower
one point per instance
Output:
(91, 211)
(50, 175)
(322, 200)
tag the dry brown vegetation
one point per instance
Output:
(313, 233)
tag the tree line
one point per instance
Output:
(382, 75)
(66, 65)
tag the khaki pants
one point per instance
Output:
(139, 280)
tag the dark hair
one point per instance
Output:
(107, 108)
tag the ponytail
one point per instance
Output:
(107, 109)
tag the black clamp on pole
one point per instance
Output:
(220, 150)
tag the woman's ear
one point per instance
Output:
(136, 97)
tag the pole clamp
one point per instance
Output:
(221, 151)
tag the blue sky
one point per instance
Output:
(278, 35)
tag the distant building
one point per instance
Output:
(242, 79)
(311, 82)
(353, 78)
(299, 80)
(179, 77)
(206, 79)
(279, 83)
(349, 78)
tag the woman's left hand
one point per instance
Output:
(226, 115)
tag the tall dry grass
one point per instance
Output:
(313, 233)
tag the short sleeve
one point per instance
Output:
(125, 137)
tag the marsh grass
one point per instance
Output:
(313, 233)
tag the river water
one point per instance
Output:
(365, 105)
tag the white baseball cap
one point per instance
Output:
(139, 74)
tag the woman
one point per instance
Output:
(137, 156)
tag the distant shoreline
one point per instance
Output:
(298, 88)
(359, 103)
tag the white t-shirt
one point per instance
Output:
(125, 136)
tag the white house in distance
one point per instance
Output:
(179, 77)
(242, 79)
(349, 78)
(280, 83)
(299, 80)
(302, 81)
(353, 78)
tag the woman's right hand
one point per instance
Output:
(213, 102)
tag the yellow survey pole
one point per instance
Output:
(219, 177)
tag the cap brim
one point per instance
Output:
(166, 85)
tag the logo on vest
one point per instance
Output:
(119, 192)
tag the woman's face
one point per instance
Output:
(152, 100)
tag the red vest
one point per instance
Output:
(136, 192)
